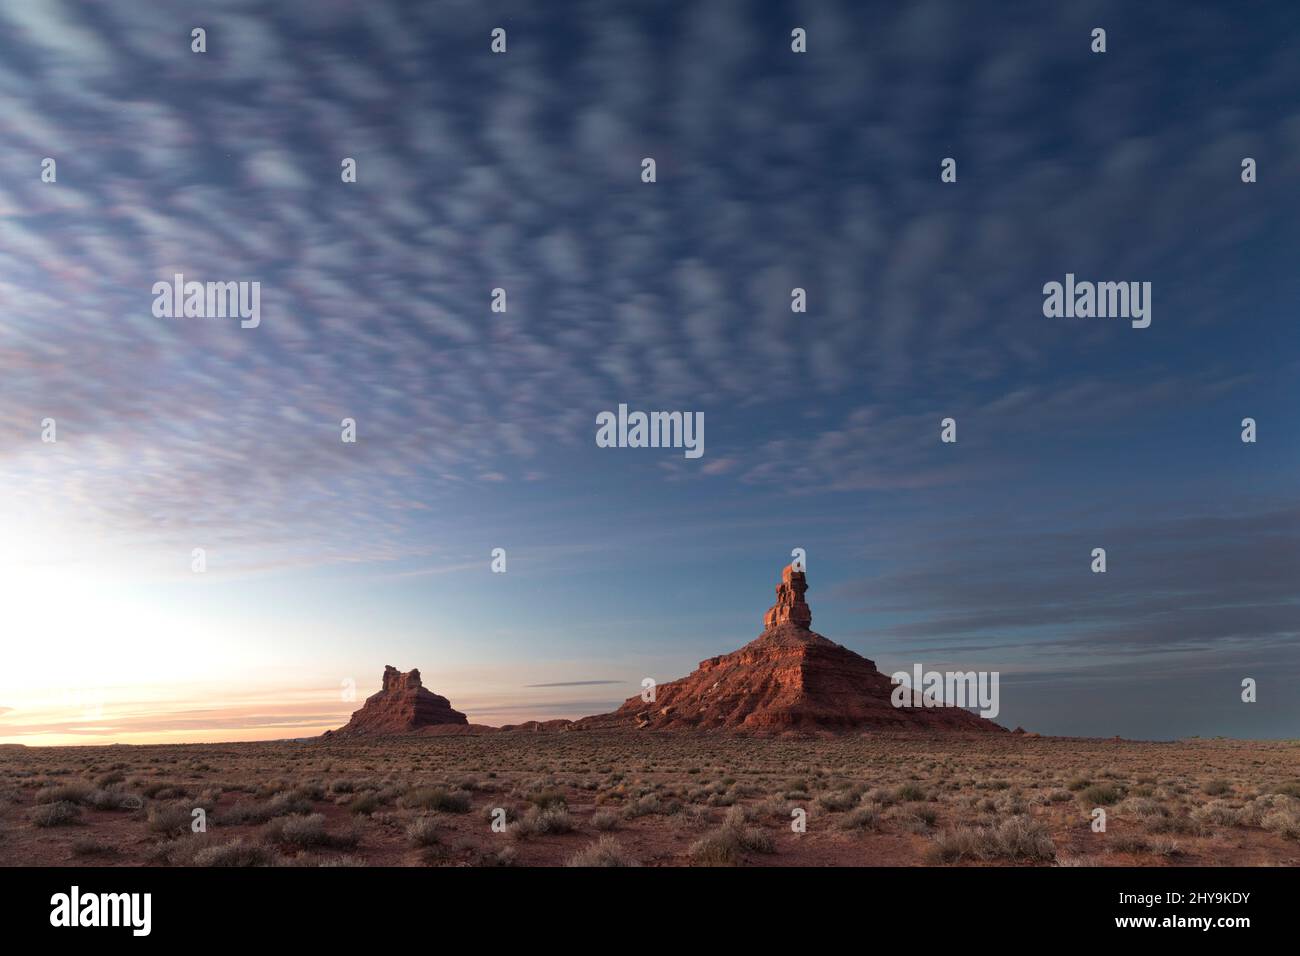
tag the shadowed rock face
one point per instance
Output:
(788, 678)
(402, 707)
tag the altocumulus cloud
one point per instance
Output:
(375, 296)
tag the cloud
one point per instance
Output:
(523, 172)
(1203, 582)
(127, 720)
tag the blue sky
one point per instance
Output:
(476, 429)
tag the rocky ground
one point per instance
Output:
(655, 799)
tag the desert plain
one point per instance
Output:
(652, 798)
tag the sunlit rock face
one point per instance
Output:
(789, 678)
(403, 706)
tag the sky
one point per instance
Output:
(476, 429)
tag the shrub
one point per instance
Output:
(1216, 788)
(259, 811)
(724, 846)
(863, 818)
(1283, 822)
(549, 797)
(89, 847)
(1163, 846)
(114, 800)
(604, 852)
(644, 806)
(161, 790)
(604, 820)
(1253, 813)
(910, 792)
(169, 818)
(423, 831)
(1016, 838)
(916, 820)
(58, 814)
(503, 857)
(1175, 824)
(881, 796)
(436, 798)
(76, 792)
(1216, 813)
(1126, 843)
(181, 851)
(309, 791)
(308, 831)
(365, 804)
(1143, 807)
(236, 853)
(837, 802)
(1100, 795)
(538, 821)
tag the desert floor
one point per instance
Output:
(654, 800)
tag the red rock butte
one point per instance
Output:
(403, 706)
(789, 678)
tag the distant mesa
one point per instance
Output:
(789, 678)
(403, 706)
(539, 726)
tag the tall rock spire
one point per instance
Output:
(789, 678)
(790, 607)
